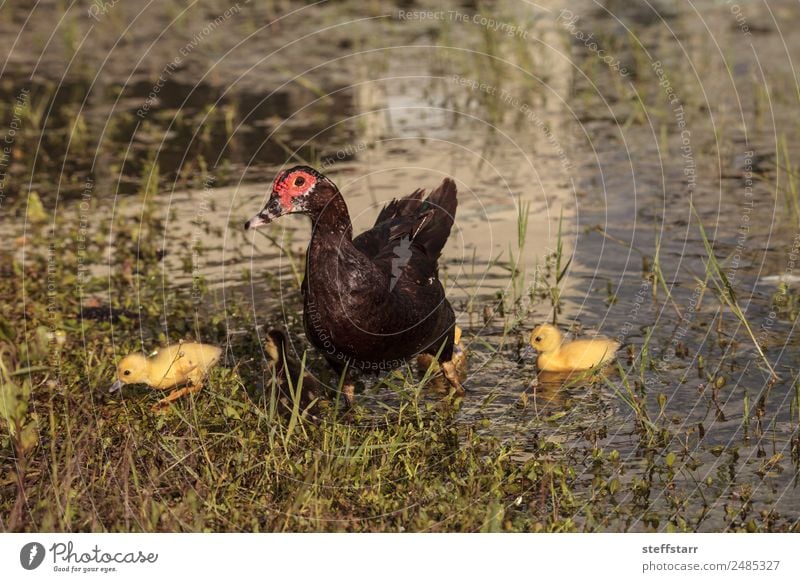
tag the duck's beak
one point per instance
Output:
(115, 386)
(271, 211)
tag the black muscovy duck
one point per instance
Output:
(373, 301)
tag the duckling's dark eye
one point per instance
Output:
(127, 372)
(299, 181)
(538, 338)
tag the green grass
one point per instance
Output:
(229, 458)
(727, 294)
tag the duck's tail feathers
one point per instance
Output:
(405, 206)
(435, 218)
(423, 223)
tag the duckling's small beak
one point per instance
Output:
(115, 386)
(271, 211)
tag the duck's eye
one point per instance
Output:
(538, 338)
(127, 372)
(299, 181)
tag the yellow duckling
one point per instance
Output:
(557, 356)
(181, 363)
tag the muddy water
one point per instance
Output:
(685, 106)
(708, 142)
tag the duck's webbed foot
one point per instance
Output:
(349, 392)
(167, 401)
(450, 372)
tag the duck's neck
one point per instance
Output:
(330, 218)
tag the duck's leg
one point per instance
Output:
(345, 379)
(348, 388)
(349, 391)
(448, 360)
(451, 373)
(175, 394)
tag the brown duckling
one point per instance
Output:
(555, 355)
(287, 375)
(181, 364)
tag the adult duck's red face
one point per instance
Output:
(291, 191)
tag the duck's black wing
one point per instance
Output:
(372, 241)
(412, 226)
(414, 241)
